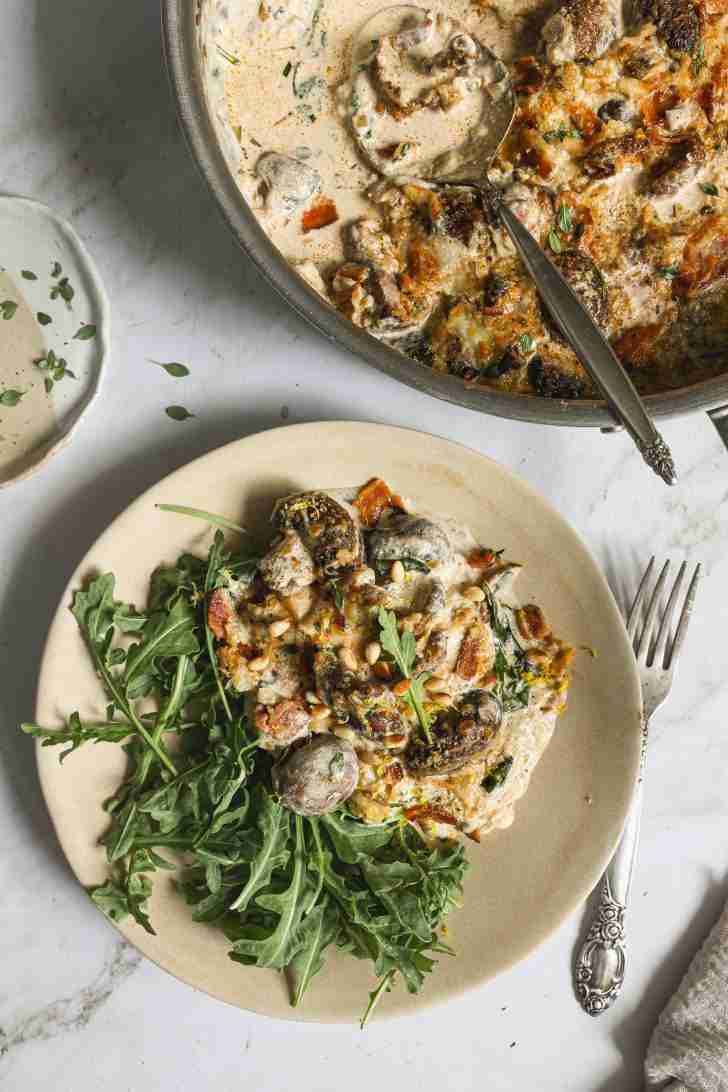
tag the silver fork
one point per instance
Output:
(601, 962)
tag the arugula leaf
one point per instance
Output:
(274, 827)
(403, 650)
(318, 930)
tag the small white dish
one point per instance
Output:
(52, 301)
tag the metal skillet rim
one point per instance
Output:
(178, 37)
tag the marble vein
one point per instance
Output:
(73, 1013)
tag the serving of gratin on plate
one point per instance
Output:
(337, 120)
(312, 718)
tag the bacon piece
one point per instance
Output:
(320, 215)
(373, 499)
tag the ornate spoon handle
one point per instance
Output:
(601, 962)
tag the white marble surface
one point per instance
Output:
(86, 125)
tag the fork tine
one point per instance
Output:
(634, 612)
(660, 644)
(642, 643)
(682, 626)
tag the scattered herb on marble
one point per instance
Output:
(85, 332)
(8, 309)
(177, 371)
(283, 888)
(64, 289)
(178, 413)
(43, 318)
(56, 367)
(28, 275)
(11, 397)
(56, 269)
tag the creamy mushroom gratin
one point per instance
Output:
(386, 663)
(334, 117)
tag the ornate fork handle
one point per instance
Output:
(601, 963)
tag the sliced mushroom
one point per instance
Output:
(611, 156)
(681, 166)
(329, 530)
(281, 724)
(287, 183)
(581, 30)
(288, 566)
(317, 777)
(458, 737)
(405, 536)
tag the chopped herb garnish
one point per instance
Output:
(555, 242)
(555, 136)
(526, 343)
(563, 219)
(85, 332)
(287, 69)
(28, 275)
(336, 765)
(8, 309)
(338, 596)
(11, 397)
(48, 384)
(698, 62)
(403, 650)
(668, 272)
(177, 371)
(495, 777)
(710, 188)
(178, 413)
(43, 318)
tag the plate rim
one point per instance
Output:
(424, 1000)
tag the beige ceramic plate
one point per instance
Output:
(523, 881)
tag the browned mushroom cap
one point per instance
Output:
(682, 164)
(677, 22)
(608, 157)
(581, 30)
(459, 737)
(408, 537)
(329, 530)
(318, 776)
(587, 281)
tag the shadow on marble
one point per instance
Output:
(123, 162)
(633, 1034)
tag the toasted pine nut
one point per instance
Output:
(474, 594)
(401, 687)
(372, 652)
(320, 712)
(277, 629)
(434, 685)
(267, 695)
(312, 699)
(259, 663)
(441, 698)
(347, 659)
(396, 573)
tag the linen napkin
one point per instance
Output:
(689, 1046)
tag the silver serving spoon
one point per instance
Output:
(569, 314)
